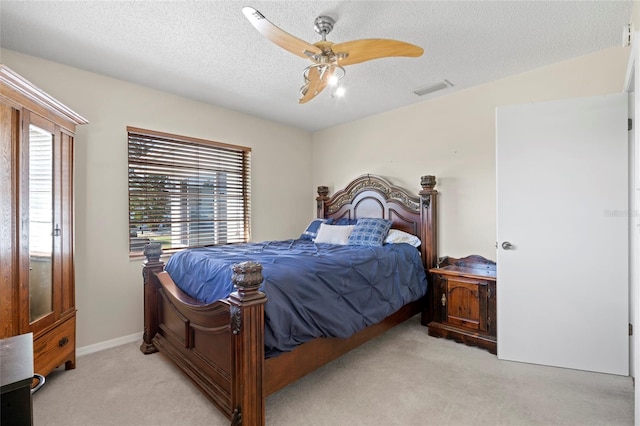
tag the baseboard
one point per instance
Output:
(86, 350)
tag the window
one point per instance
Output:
(186, 192)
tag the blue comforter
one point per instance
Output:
(313, 290)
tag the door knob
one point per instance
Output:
(507, 245)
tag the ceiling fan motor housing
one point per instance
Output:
(323, 25)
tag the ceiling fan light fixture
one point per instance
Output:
(330, 73)
(326, 60)
(433, 88)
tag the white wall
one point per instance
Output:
(453, 137)
(108, 283)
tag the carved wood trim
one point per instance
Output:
(371, 182)
(236, 418)
(13, 82)
(236, 319)
(429, 215)
(323, 196)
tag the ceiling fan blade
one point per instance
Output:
(374, 48)
(278, 36)
(316, 84)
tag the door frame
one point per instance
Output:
(632, 81)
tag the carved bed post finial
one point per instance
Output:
(323, 195)
(153, 251)
(247, 277)
(247, 327)
(151, 266)
(428, 181)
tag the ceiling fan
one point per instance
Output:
(329, 59)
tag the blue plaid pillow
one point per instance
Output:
(312, 230)
(369, 232)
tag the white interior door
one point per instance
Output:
(562, 182)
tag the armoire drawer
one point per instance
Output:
(55, 347)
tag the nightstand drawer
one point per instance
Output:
(55, 347)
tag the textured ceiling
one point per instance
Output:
(208, 51)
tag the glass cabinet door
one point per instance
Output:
(41, 227)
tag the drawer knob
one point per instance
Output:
(63, 341)
(444, 299)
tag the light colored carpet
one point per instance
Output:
(404, 377)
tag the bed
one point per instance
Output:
(220, 344)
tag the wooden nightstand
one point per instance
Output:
(464, 302)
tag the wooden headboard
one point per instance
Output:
(373, 196)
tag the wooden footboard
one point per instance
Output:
(219, 346)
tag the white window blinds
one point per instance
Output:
(40, 191)
(186, 192)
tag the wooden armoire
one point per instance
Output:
(37, 292)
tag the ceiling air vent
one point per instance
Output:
(433, 88)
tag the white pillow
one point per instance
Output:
(333, 234)
(398, 236)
